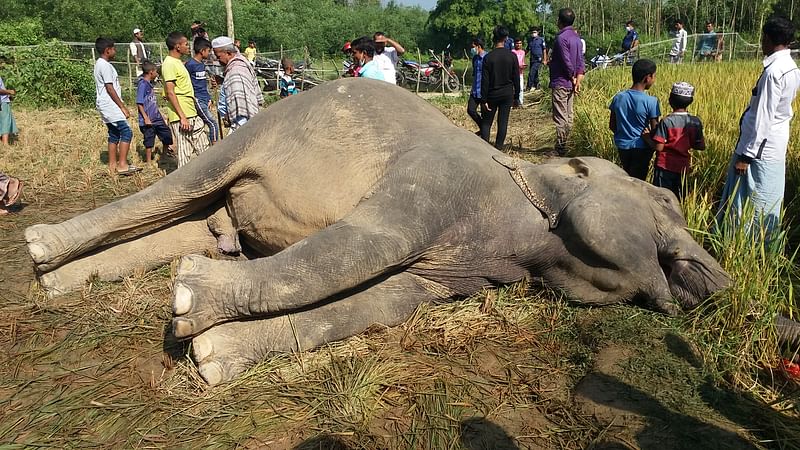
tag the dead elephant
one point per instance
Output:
(366, 201)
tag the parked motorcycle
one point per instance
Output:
(267, 71)
(433, 73)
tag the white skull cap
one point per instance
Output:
(222, 41)
(683, 89)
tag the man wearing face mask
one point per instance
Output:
(386, 57)
(538, 54)
(477, 52)
(630, 43)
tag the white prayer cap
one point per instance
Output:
(222, 41)
(683, 89)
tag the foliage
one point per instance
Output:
(464, 19)
(47, 76)
(22, 32)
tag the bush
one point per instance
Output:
(48, 76)
(23, 32)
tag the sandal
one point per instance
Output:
(14, 196)
(130, 171)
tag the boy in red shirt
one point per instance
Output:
(673, 138)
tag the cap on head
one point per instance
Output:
(136, 31)
(683, 89)
(221, 41)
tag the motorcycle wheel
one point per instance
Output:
(400, 78)
(453, 85)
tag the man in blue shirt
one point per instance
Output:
(477, 53)
(537, 50)
(197, 72)
(630, 43)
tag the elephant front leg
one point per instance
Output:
(343, 256)
(113, 262)
(226, 350)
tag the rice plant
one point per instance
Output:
(737, 326)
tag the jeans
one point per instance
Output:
(763, 186)
(208, 119)
(501, 107)
(119, 132)
(669, 180)
(472, 110)
(533, 73)
(636, 161)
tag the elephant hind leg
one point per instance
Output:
(115, 261)
(226, 350)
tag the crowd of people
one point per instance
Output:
(757, 167)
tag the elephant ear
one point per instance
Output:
(549, 187)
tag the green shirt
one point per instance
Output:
(172, 69)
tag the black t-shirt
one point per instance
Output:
(500, 75)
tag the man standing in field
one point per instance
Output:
(757, 168)
(386, 57)
(478, 53)
(630, 43)
(679, 45)
(243, 95)
(111, 108)
(709, 44)
(138, 51)
(538, 56)
(566, 72)
(187, 127)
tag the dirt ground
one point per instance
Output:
(509, 368)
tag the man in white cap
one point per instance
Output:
(138, 51)
(243, 95)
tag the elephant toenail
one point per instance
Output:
(202, 347)
(183, 299)
(187, 264)
(32, 234)
(38, 253)
(182, 328)
(211, 372)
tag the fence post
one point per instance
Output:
(130, 79)
(445, 73)
(419, 67)
(160, 53)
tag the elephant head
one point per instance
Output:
(623, 239)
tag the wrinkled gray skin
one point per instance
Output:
(366, 201)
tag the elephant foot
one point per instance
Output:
(225, 351)
(207, 292)
(50, 245)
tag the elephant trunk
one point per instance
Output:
(788, 331)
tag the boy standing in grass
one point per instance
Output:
(673, 138)
(151, 122)
(633, 111)
(113, 112)
(7, 124)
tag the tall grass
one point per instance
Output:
(737, 325)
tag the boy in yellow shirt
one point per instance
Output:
(187, 127)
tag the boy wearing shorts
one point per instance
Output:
(633, 111)
(151, 122)
(113, 112)
(673, 138)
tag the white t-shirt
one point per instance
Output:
(105, 73)
(386, 66)
(391, 52)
